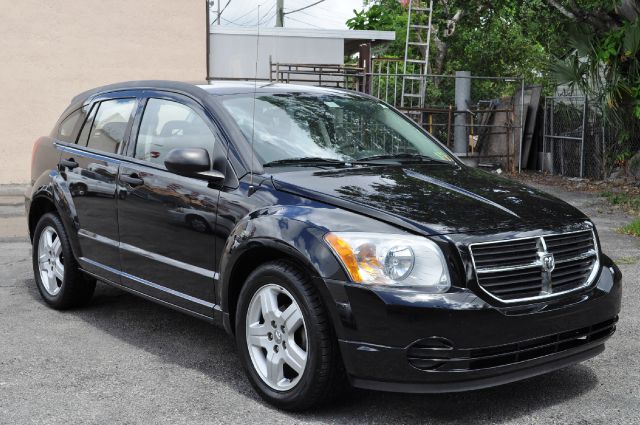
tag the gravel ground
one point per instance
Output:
(126, 360)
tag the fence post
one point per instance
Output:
(364, 62)
(522, 117)
(544, 135)
(584, 128)
(604, 154)
(463, 95)
(553, 141)
(395, 86)
(449, 119)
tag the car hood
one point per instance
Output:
(432, 198)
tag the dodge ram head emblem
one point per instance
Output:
(548, 262)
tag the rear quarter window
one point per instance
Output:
(66, 130)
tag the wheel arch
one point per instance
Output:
(296, 242)
(53, 198)
(40, 205)
(259, 253)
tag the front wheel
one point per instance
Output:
(79, 189)
(285, 340)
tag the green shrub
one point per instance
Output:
(632, 228)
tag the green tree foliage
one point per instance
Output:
(491, 38)
(603, 61)
(591, 45)
(383, 15)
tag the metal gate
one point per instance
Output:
(574, 138)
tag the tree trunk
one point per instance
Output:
(600, 20)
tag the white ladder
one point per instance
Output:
(416, 69)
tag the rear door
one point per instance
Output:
(167, 221)
(90, 168)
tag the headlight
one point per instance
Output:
(388, 259)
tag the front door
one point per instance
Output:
(166, 221)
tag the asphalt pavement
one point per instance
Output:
(126, 360)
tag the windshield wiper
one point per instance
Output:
(403, 156)
(304, 161)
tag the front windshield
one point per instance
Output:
(342, 127)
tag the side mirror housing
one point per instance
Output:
(192, 162)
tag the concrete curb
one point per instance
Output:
(12, 189)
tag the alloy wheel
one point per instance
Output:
(50, 260)
(276, 337)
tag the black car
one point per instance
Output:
(335, 239)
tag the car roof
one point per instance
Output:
(200, 89)
(223, 87)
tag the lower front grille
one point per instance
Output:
(536, 267)
(426, 357)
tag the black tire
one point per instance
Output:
(76, 288)
(324, 377)
(79, 189)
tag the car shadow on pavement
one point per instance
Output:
(192, 343)
(493, 405)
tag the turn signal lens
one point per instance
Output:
(344, 251)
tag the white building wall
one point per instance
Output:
(234, 55)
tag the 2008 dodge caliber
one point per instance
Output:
(330, 235)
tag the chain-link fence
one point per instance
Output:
(489, 122)
(575, 138)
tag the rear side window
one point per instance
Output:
(167, 125)
(66, 129)
(109, 125)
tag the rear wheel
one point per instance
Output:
(285, 339)
(60, 282)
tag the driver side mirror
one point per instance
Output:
(192, 162)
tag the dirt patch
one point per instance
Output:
(620, 194)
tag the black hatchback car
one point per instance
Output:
(335, 239)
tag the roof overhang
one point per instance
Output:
(352, 38)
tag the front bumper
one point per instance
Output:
(395, 340)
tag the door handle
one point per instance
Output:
(131, 179)
(69, 163)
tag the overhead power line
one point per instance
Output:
(219, 12)
(303, 22)
(241, 16)
(323, 17)
(245, 20)
(280, 13)
(268, 12)
(303, 8)
(267, 19)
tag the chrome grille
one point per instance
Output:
(537, 267)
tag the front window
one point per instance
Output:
(344, 127)
(167, 125)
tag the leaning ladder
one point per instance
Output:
(416, 69)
